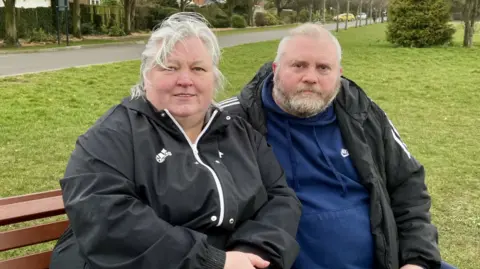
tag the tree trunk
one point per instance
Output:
(310, 15)
(11, 38)
(127, 16)
(324, 10)
(278, 5)
(467, 14)
(231, 6)
(473, 16)
(338, 13)
(348, 10)
(360, 12)
(76, 21)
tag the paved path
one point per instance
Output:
(16, 64)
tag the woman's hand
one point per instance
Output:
(240, 260)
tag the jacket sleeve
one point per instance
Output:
(271, 233)
(410, 202)
(113, 226)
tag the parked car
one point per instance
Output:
(362, 16)
(344, 17)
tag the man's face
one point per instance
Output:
(307, 77)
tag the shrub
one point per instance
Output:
(116, 31)
(238, 21)
(39, 35)
(87, 28)
(303, 15)
(414, 23)
(271, 19)
(260, 19)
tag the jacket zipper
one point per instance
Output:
(199, 160)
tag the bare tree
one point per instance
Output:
(337, 11)
(470, 13)
(129, 12)
(76, 21)
(348, 13)
(11, 38)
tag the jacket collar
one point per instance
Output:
(142, 106)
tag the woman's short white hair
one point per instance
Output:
(165, 36)
(311, 30)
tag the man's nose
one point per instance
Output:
(310, 76)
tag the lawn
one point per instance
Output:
(431, 95)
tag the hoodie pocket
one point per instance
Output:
(338, 237)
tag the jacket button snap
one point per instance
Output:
(228, 118)
(214, 218)
(231, 221)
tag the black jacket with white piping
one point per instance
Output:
(140, 195)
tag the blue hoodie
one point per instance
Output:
(334, 230)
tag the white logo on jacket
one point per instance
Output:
(163, 155)
(344, 153)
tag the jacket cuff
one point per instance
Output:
(422, 264)
(253, 250)
(215, 258)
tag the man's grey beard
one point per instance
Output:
(303, 107)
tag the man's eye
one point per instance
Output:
(198, 69)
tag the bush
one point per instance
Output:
(303, 15)
(271, 19)
(260, 19)
(88, 28)
(413, 23)
(238, 21)
(116, 31)
(220, 22)
(39, 35)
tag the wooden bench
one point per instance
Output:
(25, 208)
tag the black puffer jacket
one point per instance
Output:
(139, 195)
(400, 203)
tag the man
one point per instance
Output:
(365, 202)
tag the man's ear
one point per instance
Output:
(274, 66)
(341, 71)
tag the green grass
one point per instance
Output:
(431, 95)
(131, 39)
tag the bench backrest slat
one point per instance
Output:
(32, 235)
(29, 197)
(35, 261)
(30, 210)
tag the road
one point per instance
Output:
(24, 63)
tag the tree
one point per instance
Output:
(11, 38)
(281, 4)
(129, 12)
(77, 32)
(470, 13)
(183, 4)
(413, 23)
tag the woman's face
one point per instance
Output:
(186, 87)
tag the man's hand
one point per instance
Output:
(240, 260)
(411, 266)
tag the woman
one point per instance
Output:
(167, 180)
